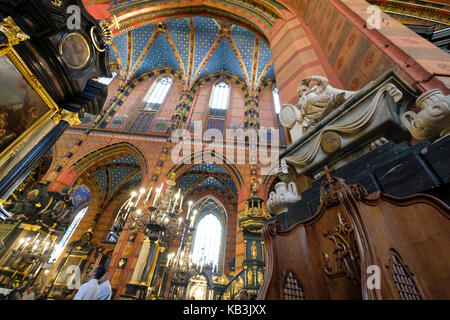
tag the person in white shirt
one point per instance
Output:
(89, 290)
(105, 287)
(28, 294)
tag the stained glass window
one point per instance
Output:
(62, 244)
(155, 96)
(107, 81)
(207, 240)
(219, 97)
(276, 100)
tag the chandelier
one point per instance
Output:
(158, 221)
(35, 250)
(181, 264)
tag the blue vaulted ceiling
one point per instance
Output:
(196, 47)
(160, 55)
(122, 49)
(208, 167)
(206, 30)
(118, 174)
(223, 59)
(207, 176)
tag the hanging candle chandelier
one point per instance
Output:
(160, 220)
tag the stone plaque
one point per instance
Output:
(330, 142)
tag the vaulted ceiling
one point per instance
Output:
(196, 47)
(207, 176)
(117, 175)
(255, 15)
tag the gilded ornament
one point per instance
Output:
(13, 32)
(260, 276)
(250, 277)
(254, 250)
(65, 115)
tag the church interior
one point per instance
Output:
(199, 150)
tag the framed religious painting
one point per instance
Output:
(70, 271)
(25, 106)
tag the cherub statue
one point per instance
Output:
(314, 103)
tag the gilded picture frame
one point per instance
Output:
(43, 108)
(70, 264)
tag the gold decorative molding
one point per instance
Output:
(106, 31)
(65, 115)
(57, 3)
(12, 31)
(15, 35)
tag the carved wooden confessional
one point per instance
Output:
(328, 255)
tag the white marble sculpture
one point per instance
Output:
(434, 118)
(280, 199)
(313, 105)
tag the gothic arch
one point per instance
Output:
(127, 88)
(94, 159)
(258, 21)
(222, 216)
(234, 172)
(266, 83)
(220, 204)
(229, 77)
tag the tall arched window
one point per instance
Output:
(157, 93)
(207, 241)
(107, 81)
(277, 104)
(218, 105)
(276, 100)
(62, 244)
(220, 95)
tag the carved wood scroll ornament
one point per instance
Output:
(345, 254)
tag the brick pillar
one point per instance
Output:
(296, 55)
(123, 260)
(359, 54)
(412, 55)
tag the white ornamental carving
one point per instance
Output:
(282, 197)
(314, 103)
(434, 118)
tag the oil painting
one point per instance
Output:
(20, 104)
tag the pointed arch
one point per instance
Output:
(206, 206)
(232, 78)
(108, 153)
(119, 100)
(189, 161)
(258, 18)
